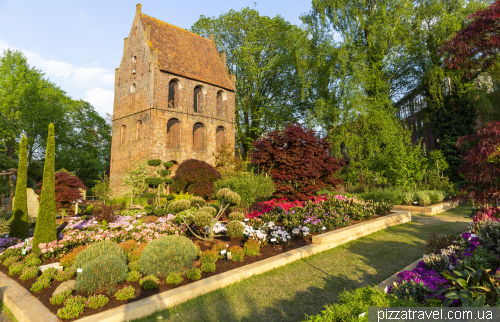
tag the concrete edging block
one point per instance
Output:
(24, 306)
(430, 210)
(394, 278)
(182, 294)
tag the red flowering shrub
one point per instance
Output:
(298, 162)
(195, 177)
(481, 174)
(67, 189)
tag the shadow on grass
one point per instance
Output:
(304, 287)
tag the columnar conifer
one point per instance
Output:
(45, 229)
(20, 225)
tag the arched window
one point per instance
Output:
(173, 134)
(123, 134)
(198, 100)
(132, 88)
(172, 94)
(138, 130)
(220, 110)
(220, 137)
(199, 137)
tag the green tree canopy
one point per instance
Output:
(29, 103)
(262, 53)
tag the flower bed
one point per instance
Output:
(275, 232)
(444, 276)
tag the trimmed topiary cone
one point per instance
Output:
(45, 228)
(20, 224)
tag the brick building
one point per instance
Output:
(174, 98)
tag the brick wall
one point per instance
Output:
(141, 115)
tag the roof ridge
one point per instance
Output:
(182, 29)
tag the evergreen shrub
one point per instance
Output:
(251, 247)
(235, 228)
(134, 276)
(45, 228)
(99, 249)
(178, 206)
(19, 226)
(236, 216)
(193, 273)
(209, 256)
(101, 272)
(174, 278)
(237, 253)
(167, 254)
(148, 282)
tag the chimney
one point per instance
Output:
(138, 8)
(233, 79)
(147, 32)
(223, 58)
(212, 38)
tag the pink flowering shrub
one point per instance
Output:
(488, 213)
(84, 233)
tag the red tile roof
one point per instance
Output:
(187, 54)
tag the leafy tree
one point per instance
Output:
(45, 228)
(20, 219)
(482, 176)
(135, 179)
(67, 189)
(29, 103)
(261, 52)
(378, 149)
(102, 189)
(297, 160)
(475, 48)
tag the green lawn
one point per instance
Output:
(304, 287)
(5, 315)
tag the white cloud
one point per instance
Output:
(84, 17)
(101, 99)
(77, 76)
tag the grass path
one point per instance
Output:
(306, 286)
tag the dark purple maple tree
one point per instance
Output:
(67, 189)
(475, 48)
(482, 175)
(297, 160)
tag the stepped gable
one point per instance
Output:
(184, 53)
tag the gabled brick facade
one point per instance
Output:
(164, 72)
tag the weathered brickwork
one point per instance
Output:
(144, 124)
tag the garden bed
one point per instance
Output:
(271, 257)
(429, 210)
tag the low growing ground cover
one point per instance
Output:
(304, 287)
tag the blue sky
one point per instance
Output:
(78, 44)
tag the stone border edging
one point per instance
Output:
(24, 306)
(182, 294)
(394, 278)
(430, 210)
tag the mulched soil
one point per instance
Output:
(222, 266)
